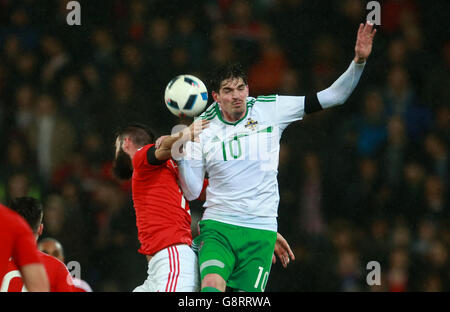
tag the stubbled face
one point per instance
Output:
(122, 166)
(232, 98)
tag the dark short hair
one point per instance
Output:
(225, 72)
(139, 133)
(30, 209)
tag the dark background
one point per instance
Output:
(364, 181)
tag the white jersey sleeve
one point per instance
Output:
(288, 109)
(342, 88)
(192, 171)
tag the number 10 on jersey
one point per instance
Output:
(234, 148)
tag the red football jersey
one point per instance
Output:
(162, 213)
(17, 241)
(80, 285)
(59, 277)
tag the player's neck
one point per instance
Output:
(131, 152)
(233, 117)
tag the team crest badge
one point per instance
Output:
(251, 124)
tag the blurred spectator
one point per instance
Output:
(352, 12)
(158, 47)
(325, 59)
(56, 60)
(395, 152)
(291, 82)
(426, 233)
(222, 49)
(401, 235)
(51, 136)
(244, 29)
(436, 264)
(19, 184)
(114, 242)
(288, 175)
(271, 59)
(103, 51)
(371, 127)
(442, 122)
(310, 219)
(437, 152)
(437, 81)
(349, 271)
(134, 62)
(11, 49)
(402, 100)
(376, 246)
(409, 202)
(75, 105)
(25, 69)
(189, 39)
(360, 199)
(397, 52)
(398, 274)
(24, 107)
(137, 18)
(398, 12)
(18, 159)
(65, 223)
(436, 206)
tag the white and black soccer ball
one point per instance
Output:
(186, 95)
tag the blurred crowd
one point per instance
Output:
(367, 181)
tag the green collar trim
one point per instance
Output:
(219, 114)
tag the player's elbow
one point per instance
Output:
(192, 194)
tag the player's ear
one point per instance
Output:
(215, 96)
(40, 229)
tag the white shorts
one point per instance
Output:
(174, 268)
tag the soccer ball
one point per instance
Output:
(186, 95)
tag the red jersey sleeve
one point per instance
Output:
(140, 158)
(59, 277)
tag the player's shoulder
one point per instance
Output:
(265, 99)
(51, 263)
(7, 214)
(211, 112)
(143, 150)
(140, 156)
(46, 258)
(13, 220)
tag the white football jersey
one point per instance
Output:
(241, 160)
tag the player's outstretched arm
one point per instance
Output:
(343, 87)
(164, 144)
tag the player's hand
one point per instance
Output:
(282, 251)
(364, 41)
(196, 128)
(160, 140)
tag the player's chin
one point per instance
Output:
(238, 108)
(122, 167)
